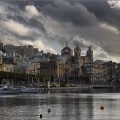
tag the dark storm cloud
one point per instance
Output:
(111, 16)
(103, 11)
(85, 17)
(22, 3)
(65, 12)
(36, 24)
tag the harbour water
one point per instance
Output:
(64, 106)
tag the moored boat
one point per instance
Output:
(8, 90)
(30, 90)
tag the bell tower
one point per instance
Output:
(77, 51)
(90, 54)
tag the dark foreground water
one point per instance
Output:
(64, 106)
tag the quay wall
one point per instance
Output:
(70, 89)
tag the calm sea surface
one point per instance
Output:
(64, 106)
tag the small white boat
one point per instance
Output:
(8, 90)
(30, 90)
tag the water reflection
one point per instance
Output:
(64, 106)
(102, 90)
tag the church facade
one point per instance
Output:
(75, 61)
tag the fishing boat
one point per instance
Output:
(4, 89)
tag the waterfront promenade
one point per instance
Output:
(74, 89)
(80, 88)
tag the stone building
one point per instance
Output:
(52, 68)
(117, 73)
(26, 50)
(113, 72)
(87, 72)
(99, 73)
(5, 66)
(96, 72)
(28, 68)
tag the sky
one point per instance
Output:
(49, 24)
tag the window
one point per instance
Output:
(10, 69)
(45, 67)
(51, 66)
(75, 54)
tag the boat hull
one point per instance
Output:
(30, 90)
(10, 91)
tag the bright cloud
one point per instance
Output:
(114, 3)
(109, 28)
(16, 27)
(31, 11)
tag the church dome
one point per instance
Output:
(66, 50)
(66, 47)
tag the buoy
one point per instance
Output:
(49, 110)
(102, 107)
(41, 116)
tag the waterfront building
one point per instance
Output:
(6, 66)
(69, 67)
(113, 72)
(110, 70)
(117, 73)
(52, 68)
(96, 72)
(27, 67)
(99, 73)
(87, 73)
